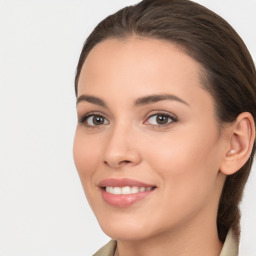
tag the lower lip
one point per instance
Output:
(124, 200)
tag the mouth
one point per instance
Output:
(124, 192)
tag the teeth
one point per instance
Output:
(126, 190)
(134, 190)
(117, 190)
(142, 189)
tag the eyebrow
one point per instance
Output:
(158, 97)
(91, 99)
(140, 101)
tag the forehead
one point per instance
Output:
(140, 65)
(147, 53)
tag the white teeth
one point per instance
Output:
(109, 190)
(142, 189)
(135, 190)
(117, 190)
(126, 190)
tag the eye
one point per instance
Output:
(94, 120)
(160, 119)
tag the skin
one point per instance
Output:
(181, 158)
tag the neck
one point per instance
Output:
(186, 241)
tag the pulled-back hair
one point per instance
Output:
(229, 75)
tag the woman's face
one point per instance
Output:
(147, 147)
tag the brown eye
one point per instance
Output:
(160, 119)
(94, 120)
(98, 120)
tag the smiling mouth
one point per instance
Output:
(124, 192)
(127, 190)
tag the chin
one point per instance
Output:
(125, 230)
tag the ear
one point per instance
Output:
(240, 144)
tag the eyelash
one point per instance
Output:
(171, 118)
(84, 119)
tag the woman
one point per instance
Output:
(166, 103)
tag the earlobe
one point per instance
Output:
(240, 144)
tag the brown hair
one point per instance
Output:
(229, 70)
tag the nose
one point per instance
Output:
(121, 149)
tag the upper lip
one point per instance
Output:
(112, 182)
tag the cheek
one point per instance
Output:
(188, 166)
(86, 155)
(182, 153)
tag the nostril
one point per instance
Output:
(118, 164)
(125, 162)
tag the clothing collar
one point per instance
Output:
(230, 246)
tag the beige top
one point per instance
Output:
(230, 247)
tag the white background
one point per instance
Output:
(43, 210)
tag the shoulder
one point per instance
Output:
(107, 250)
